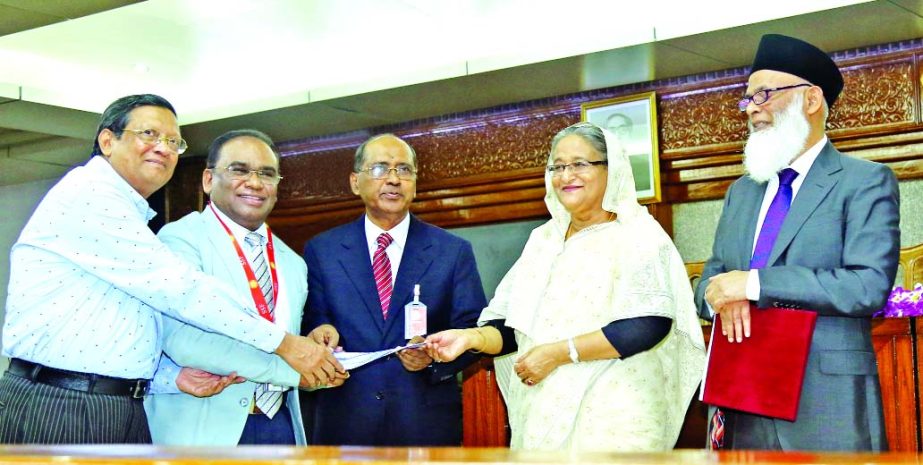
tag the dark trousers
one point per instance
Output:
(746, 431)
(259, 429)
(35, 413)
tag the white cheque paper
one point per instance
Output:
(351, 360)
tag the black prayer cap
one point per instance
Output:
(793, 56)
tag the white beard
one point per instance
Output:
(771, 149)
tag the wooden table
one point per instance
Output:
(151, 455)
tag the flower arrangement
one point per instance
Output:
(903, 303)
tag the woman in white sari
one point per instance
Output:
(600, 310)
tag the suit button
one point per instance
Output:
(244, 401)
(379, 395)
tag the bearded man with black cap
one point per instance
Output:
(806, 227)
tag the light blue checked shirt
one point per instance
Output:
(88, 281)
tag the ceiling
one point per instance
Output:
(299, 68)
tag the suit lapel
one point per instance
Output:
(750, 210)
(817, 184)
(415, 260)
(358, 268)
(229, 262)
(224, 251)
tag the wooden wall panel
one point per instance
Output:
(484, 166)
(894, 350)
(183, 194)
(483, 411)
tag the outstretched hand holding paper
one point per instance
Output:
(351, 360)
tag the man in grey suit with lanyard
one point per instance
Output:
(811, 228)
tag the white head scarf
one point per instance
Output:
(635, 271)
(620, 195)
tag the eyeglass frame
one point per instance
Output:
(576, 167)
(387, 174)
(181, 145)
(744, 102)
(240, 177)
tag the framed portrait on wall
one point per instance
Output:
(633, 119)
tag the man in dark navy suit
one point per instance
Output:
(360, 278)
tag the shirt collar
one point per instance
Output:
(237, 230)
(803, 163)
(398, 232)
(99, 165)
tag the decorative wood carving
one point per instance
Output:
(469, 161)
(875, 96)
(698, 120)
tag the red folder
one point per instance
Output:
(764, 373)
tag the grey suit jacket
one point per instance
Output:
(182, 419)
(836, 254)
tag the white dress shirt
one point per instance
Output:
(88, 280)
(396, 250)
(801, 165)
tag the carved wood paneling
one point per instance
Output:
(468, 161)
(874, 96)
(324, 175)
(874, 118)
(692, 122)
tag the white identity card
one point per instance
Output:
(415, 316)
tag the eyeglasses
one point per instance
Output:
(760, 97)
(240, 173)
(151, 136)
(577, 167)
(382, 171)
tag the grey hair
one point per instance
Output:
(588, 131)
(360, 151)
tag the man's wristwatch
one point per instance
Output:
(572, 351)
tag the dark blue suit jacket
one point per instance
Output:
(382, 403)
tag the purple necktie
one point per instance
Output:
(774, 218)
(768, 233)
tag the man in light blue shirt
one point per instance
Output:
(88, 284)
(230, 240)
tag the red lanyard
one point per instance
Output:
(255, 290)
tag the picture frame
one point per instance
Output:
(633, 119)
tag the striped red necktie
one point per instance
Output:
(381, 268)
